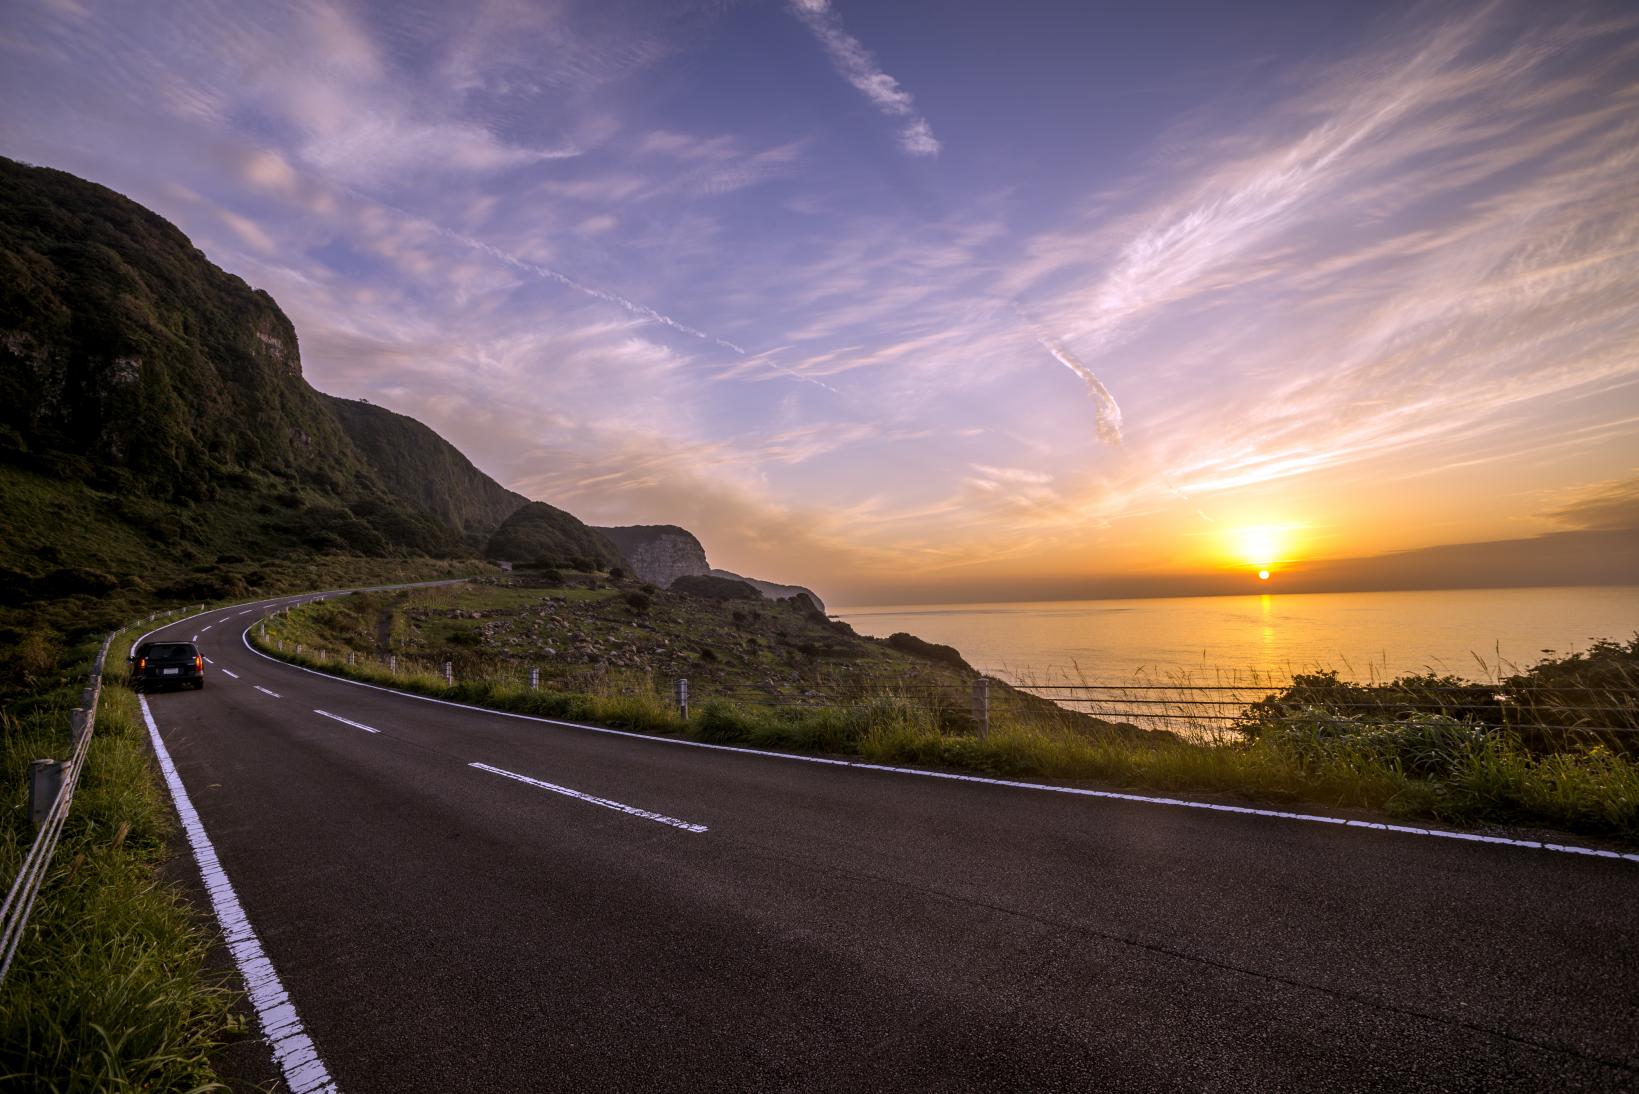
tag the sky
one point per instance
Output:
(925, 300)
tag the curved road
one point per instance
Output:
(460, 900)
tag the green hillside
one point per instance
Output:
(418, 465)
(158, 441)
(539, 533)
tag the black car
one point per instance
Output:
(162, 664)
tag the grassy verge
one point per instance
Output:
(1439, 766)
(109, 989)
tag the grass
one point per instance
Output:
(1317, 741)
(109, 990)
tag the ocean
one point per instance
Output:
(1233, 639)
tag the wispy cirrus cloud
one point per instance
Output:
(856, 65)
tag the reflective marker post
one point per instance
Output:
(683, 698)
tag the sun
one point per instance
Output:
(1261, 549)
(1261, 545)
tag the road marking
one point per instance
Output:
(208, 661)
(205, 628)
(247, 611)
(195, 638)
(293, 1049)
(348, 721)
(225, 618)
(265, 691)
(631, 810)
(231, 673)
(1015, 784)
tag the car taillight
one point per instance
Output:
(199, 662)
(142, 664)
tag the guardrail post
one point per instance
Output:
(45, 780)
(449, 674)
(683, 698)
(77, 721)
(88, 698)
(981, 706)
(534, 679)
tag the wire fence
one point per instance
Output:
(25, 887)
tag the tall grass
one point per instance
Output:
(109, 990)
(1439, 763)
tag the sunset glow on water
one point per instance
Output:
(1364, 636)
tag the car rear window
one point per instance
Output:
(171, 651)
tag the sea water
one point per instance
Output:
(1478, 634)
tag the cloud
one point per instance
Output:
(1611, 506)
(856, 65)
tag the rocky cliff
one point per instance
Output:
(659, 553)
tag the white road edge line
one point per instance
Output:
(231, 673)
(265, 691)
(1016, 784)
(347, 721)
(631, 810)
(293, 1049)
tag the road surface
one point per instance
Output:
(460, 900)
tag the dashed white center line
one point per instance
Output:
(225, 618)
(195, 638)
(231, 673)
(208, 661)
(205, 628)
(265, 691)
(630, 810)
(348, 721)
(247, 611)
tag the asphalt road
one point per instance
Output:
(441, 926)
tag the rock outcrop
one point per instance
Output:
(659, 553)
(773, 590)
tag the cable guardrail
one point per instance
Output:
(19, 903)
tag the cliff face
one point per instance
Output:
(659, 553)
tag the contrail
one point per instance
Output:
(1108, 413)
(856, 65)
(632, 306)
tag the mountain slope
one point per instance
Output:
(418, 465)
(538, 532)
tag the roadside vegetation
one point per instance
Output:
(1554, 747)
(110, 988)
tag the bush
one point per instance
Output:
(637, 601)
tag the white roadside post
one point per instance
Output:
(449, 674)
(683, 698)
(981, 706)
(534, 679)
(392, 663)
